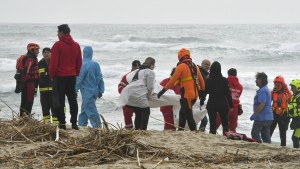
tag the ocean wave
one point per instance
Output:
(7, 64)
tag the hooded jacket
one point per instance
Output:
(66, 58)
(218, 89)
(90, 78)
(236, 89)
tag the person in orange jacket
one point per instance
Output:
(191, 81)
(281, 96)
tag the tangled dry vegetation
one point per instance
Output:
(101, 146)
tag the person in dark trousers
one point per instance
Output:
(204, 69)
(191, 82)
(45, 87)
(294, 112)
(65, 65)
(280, 97)
(139, 91)
(29, 78)
(219, 100)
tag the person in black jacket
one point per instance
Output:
(219, 99)
(204, 69)
(45, 86)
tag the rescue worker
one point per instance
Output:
(91, 85)
(127, 111)
(191, 82)
(236, 90)
(294, 112)
(220, 100)
(280, 97)
(29, 78)
(45, 87)
(167, 111)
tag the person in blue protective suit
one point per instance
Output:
(91, 85)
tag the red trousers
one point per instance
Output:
(232, 119)
(128, 112)
(168, 117)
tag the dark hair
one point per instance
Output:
(148, 62)
(136, 63)
(64, 28)
(46, 50)
(215, 69)
(263, 77)
(232, 72)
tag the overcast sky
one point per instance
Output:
(150, 11)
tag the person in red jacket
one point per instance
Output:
(167, 111)
(29, 78)
(127, 111)
(65, 65)
(236, 90)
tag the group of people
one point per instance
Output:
(60, 73)
(63, 72)
(223, 106)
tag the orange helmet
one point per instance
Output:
(184, 53)
(279, 79)
(31, 47)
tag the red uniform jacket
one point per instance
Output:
(176, 89)
(236, 90)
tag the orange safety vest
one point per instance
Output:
(280, 102)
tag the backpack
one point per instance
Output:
(20, 66)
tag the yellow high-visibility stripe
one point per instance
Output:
(42, 70)
(55, 120)
(45, 89)
(183, 80)
(46, 118)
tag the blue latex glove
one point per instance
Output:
(253, 117)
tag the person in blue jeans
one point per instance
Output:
(91, 85)
(263, 115)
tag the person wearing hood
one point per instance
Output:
(191, 82)
(29, 78)
(236, 90)
(281, 96)
(220, 100)
(64, 66)
(91, 85)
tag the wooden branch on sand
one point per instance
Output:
(19, 131)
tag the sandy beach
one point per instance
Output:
(28, 143)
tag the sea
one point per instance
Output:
(273, 49)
